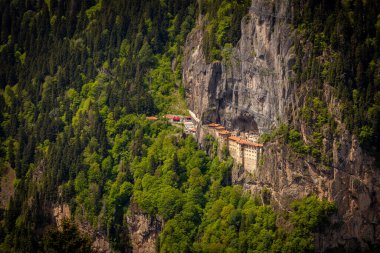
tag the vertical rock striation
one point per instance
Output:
(252, 90)
(143, 230)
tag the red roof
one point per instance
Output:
(224, 133)
(213, 125)
(234, 138)
(245, 142)
(176, 118)
(250, 143)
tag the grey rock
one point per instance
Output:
(253, 91)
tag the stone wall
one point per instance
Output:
(251, 158)
(235, 151)
(244, 155)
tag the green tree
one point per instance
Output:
(66, 240)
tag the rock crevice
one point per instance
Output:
(251, 89)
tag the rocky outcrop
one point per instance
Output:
(143, 230)
(252, 90)
(352, 184)
(7, 186)
(100, 241)
(61, 213)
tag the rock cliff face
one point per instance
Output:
(143, 230)
(253, 91)
(100, 241)
(352, 184)
(6, 187)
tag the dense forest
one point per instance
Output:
(78, 79)
(339, 44)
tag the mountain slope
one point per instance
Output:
(306, 74)
(78, 79)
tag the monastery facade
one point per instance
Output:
(244, 149)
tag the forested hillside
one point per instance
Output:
(339, 44)
(77, 80)
(305, 75)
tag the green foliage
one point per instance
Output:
(145, 56)
(316, 117)
(315, 114)
(20, 57)
(163, 84)
(308, 215)
(235, 222)
(311, 213)
(223, 26)
(158, 198)
(288, 136)
(344, 38)
(211, 146)
(179, 232)
(296, 143)
(92, 11)
(365, 135)
(313, 145)
(77, 82)
(172, 180)
(68, 240)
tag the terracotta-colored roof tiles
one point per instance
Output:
(245, 142)
(222, 131)
(250, 143)
(234, 138)
(213, 125)
(151, 118)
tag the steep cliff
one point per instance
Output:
(143, 230)
(99, 241)
(253, 89)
